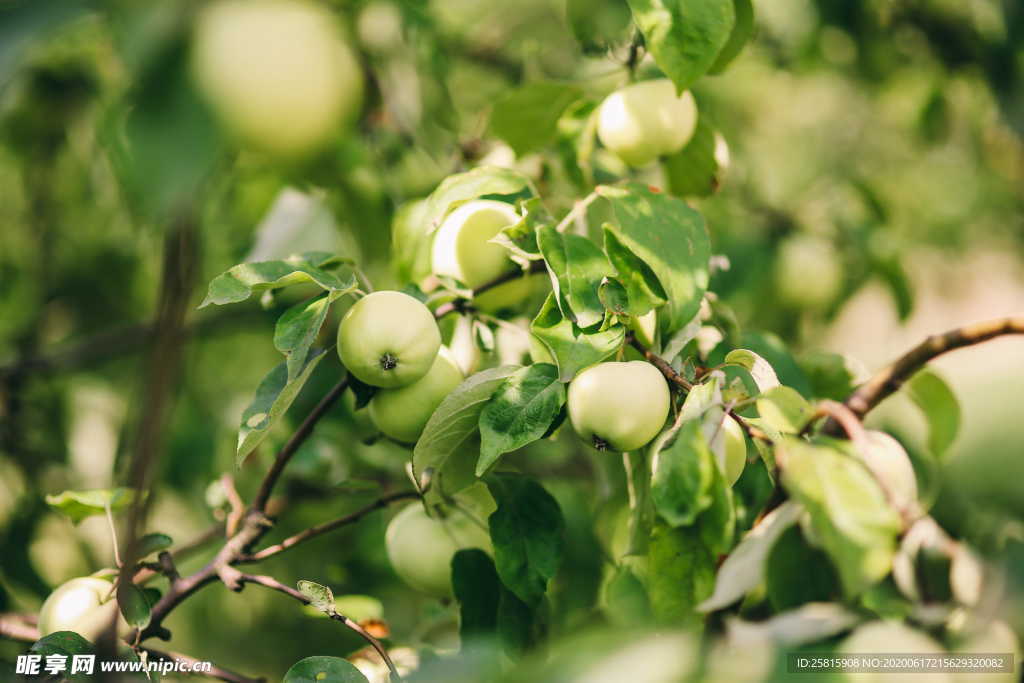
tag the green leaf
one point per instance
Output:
(77, 505)
(482, 181)
(410, 242)
(161, 172)
(694, 170)
(519, 412)
(274, 396)
(134, 604)
(520, 238)
(717, 523)
(577, 267)
(573, 349)
(941, 409)
(744, 568)
(152, 543)
(598, 26)
(321, 597)
(760, 369)
(680, 574)
(527, 117)
(297, 329)
(25, 24)
(324, 670)
(832, 375)
(244, 280)
(642, 288)
(784, 409)
(478, 591)
(66, 643)
(797, 573)
(450, 427)
(526, 531)
(742, 30)
(684, 36)
(683, 470)
(520, 625)
(626, 602)
(848, 511)
(670, 238)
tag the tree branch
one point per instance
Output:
(274, 584)
(19, 627)
(660, 363)
(112, 343)
(840, 414)
(319, 529)
(890, 378)
(259, 504)
(461, 304)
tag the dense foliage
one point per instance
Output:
(506, 326)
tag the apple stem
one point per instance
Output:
(113, 535)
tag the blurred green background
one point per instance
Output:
(874, 196)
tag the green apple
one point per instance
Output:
(402, 413)
(645, 328)
(646, 120)
(891, 465)
(808, 271)
(421, 547)
(618, 406)
(735, 451)
(388, 339)
(462, 249)
(278, 73)
(85, 605)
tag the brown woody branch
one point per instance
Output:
(675, 378)
(21, 627)
(890, 378)
(274, 584)
(841, 415)
(663, 366)
(259, 504)
(319, 529)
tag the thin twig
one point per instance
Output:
(319, 529)
(117, 341)
(841, 415)
(657, 361)
(578, 209)
(259, 504)
(163, 371)
(274, 584)
(19, 627)
(889, 379)
(113, 535)
(461, 304)
(227, 482)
